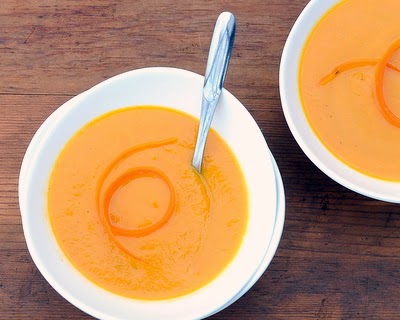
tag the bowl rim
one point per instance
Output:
(45, 132)
(298, 124)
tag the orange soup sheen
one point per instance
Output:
(349, 84)
(134, 217)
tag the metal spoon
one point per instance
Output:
(217, 66)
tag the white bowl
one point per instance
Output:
(298, 123)
(180, 90)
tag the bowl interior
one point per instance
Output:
(180, 90)
(298, 123)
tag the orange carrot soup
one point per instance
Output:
(349, 83)
(131, 213)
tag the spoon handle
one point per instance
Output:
(217, 66)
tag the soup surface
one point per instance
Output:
(131, 213)
(349, 83)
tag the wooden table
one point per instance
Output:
(339, 257)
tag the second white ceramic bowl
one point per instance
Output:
(298, 123)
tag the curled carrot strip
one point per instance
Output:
(102, 204)
(381, 66)
(379, 75)
(122, 180)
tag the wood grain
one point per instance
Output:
(339, 256)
